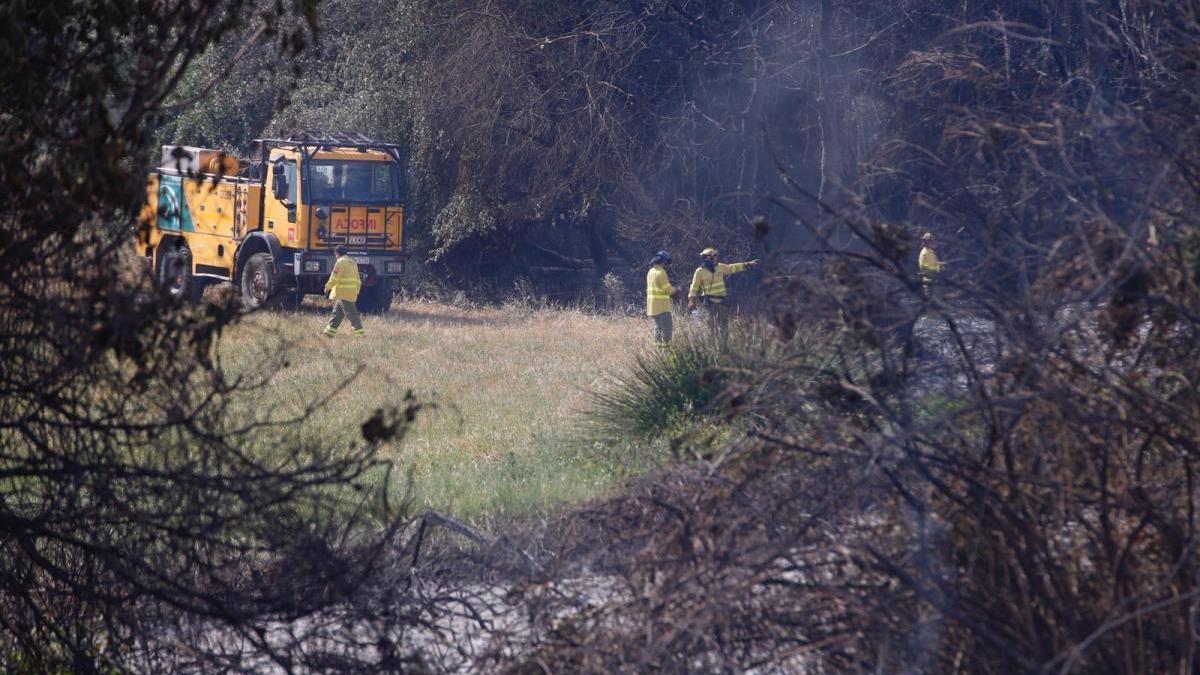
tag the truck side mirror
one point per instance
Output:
(279, 184)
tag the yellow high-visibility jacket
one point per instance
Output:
(711, 285)
(658, 291)
(343, 281)
(928, 262)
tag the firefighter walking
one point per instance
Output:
(708, 286)
(343, 287)
(658, 297)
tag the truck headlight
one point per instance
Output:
(394, 267)
(312, 265)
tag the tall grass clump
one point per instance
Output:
(687, 383)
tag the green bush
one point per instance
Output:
(675, 390)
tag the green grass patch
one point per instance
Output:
(556, 471)
(504, 434)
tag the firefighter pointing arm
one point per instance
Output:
(708, 284)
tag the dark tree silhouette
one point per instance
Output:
(996, 477)
(141, 527)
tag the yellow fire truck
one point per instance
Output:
(269, 225)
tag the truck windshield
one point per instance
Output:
(351, 182)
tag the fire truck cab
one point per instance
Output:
(269, 224)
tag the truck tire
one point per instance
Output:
(375, 299)
(175, 273)
(258, 281)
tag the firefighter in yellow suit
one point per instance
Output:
(708, 285)
(658, 297)
(343, 287)
(927, 261)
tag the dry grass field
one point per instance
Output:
(508, 385)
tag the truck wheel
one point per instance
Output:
(258, 281)
(375, 299)
(175, 273)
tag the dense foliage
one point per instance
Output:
(142, 527)
(998, 475)
(558, 140)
